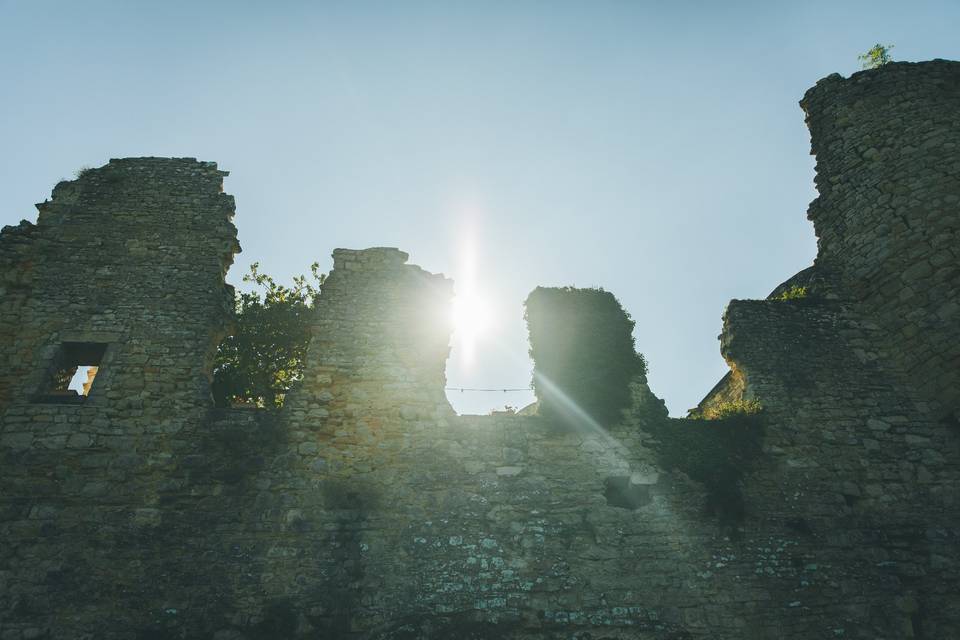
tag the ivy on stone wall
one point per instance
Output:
(581, 342)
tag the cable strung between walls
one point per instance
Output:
(462, 389)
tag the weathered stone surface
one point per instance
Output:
(367, 509)
(858, 378)
(889, 226)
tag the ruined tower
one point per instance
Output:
(123, 271)
(888, 176)
(127, 263)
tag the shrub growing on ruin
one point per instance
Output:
(581, 342)
(264, 356)
(875, 57)
(793, 293)
(729, 409)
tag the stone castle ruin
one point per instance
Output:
(367, 509)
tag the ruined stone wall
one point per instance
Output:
(134, 254)
(888, 210)
(363, 510)
(856, 464)
(856, 377)
(16, 265)
(366, 509)
(130, 257)
(380, 343)
(380, 515)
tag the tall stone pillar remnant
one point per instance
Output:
(887, 144)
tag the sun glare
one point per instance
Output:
(471, 317)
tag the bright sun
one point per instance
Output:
(471, 317)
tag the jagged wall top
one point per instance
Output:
(131, 254)
(888, 210)
(380, 342)
(366, 510)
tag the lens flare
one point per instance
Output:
(471, 318)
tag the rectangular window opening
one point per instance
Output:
(73, 372)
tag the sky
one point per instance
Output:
(655, 149)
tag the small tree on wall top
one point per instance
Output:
(877, 56)
(581, 342)
(259, 362)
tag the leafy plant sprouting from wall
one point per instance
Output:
(261, 360)
(876, 56)
(581, 342)
(793, 293)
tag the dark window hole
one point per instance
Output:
(73, 372)
(620, 492)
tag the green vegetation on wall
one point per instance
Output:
(876, 56)
(264, 356)
(731, 408)
(793, 293)
(581, 342)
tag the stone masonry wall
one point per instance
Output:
(857, 377)
(16, 246)
(131, 256)
(380, 343)
(856, 463)
(888, 210)
(365, 509)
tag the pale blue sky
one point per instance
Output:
(655, 149)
